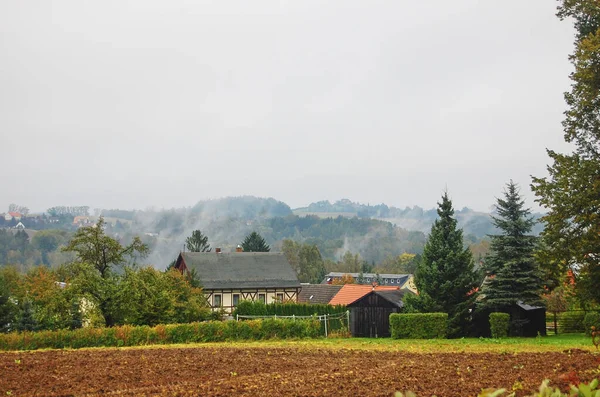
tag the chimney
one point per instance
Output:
(239, 248)
(218, 250)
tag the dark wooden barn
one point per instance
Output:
(525, 320)
(370, 315)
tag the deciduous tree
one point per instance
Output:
(571, 193)
(97, 257)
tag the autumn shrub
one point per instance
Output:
(418, 325)
(209, 331)
(591, 319)
(571, 322)
(583, 390)
(499, 324)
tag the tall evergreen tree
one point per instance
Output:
(7, 307)
(445, 276)
(513, 274)
(26, 320)
(197, 242)
(255, 243)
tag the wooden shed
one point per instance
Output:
(370, 314)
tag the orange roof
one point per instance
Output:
(353, 292)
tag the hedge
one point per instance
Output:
(591, 319)
(257, 308)
(210, 331)
(571, 322)
(499, 324)
(418, 325)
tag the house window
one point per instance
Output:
(261, 298)
(217, 301)
(280, 298)
(236, 299)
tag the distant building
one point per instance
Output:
(9, 216)
(402, 281)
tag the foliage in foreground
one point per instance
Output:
(211, 331)
(583, 390)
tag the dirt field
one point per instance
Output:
(225, 371)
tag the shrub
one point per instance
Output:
(571, 322)
(591, 319)
(499, 324)
(545, 390)
(210, 331)
(418, 325)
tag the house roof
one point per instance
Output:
(240, 269)
(352, 292)
(318, 293)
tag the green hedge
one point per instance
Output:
(256, 308)
(571, 322)
(210, 331)
(591, 318)
(499, 324)
(418, 325)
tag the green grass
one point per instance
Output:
(552, 343)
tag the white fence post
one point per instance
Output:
(325, 325)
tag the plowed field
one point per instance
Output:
(255, 371)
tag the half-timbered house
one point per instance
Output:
(228, 278)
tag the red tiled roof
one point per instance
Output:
(352, 292)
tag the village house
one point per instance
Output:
(228, 278)
(9, 216)
(402, 281)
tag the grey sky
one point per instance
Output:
(131, 104)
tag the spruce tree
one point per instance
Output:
(197, 242)
(255, 243)
(26, 320)
(445, 276)
(513, 274)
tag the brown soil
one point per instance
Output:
(225, 371)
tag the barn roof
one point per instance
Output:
(352, 292)
(239, 269)
(394, 296)
(318, 293)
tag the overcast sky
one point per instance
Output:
(132, 104)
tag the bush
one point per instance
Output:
(591, 319)
(499, 324)
(571, 322)
(418, 325)
(210, 331)
(583, 389)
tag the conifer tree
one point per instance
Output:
(255, 243)
(445, 276)
(513, 274)
(197, 242)
(26, 320)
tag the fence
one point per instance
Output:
(329, 322)
(571, 321)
